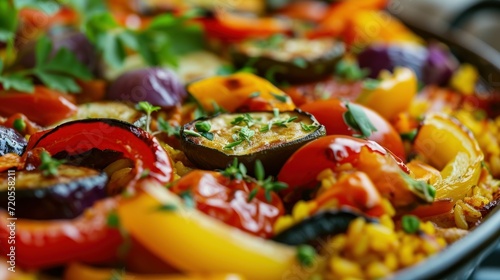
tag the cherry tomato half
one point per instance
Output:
(330, 113)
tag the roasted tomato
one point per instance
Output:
(344, 153)
(229, 200)
(331, 114)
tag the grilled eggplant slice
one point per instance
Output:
(271, 137)
(64, 196)
(11, 141)
(290, 60)
(321, 225)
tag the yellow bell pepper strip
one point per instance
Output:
(239, 90)
(78, 271)
(464, 79)
(196, 243)
(450, 147)
(396, 91)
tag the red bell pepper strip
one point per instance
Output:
(81, 136)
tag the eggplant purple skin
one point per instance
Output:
(59, 201)
(11, 141)
(158, 86)
(71, 39)
(439, 66)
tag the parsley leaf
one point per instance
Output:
(165, 126)
(306, 255)
(299, 62)
(356, 118)
(244, 134)
(309, 127)
(49, 165)
(147, 108)
(350, 71)
(410, 224)
(423, 190)
(8, 21)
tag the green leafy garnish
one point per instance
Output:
(299, 62)
(306, 255)
(371, 84)
(49, 165)
(278, 123)
(410, 135)
(254, 94)
(273, 41)
(113, 220)
(280, 97)
(309, 127)
(244, 134)
(235, 170)
(167, 207)
(356, 118)
(203, 126)
(164, 126)
(19, 125)
(410, 224)
(267, 184)
(189, 201)
(245, 118)
(423, 190)
(350, 71)
(147, 108)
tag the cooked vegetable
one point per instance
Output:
(46, 244)
(239, 92)
(158, 86)
(64, 196)
(291, 60)
(331, 114)
(439, 66)
(397, 91)
(321, 225)
(450, 147)
(270, 137)
(229, 200)
(44, 106)
(76, 139)
(11, 141)
(345, 153)
(184, 226)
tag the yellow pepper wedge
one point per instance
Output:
(393, 94)
(78, 271)
(196, 243)
(450, 147)
(231, 92)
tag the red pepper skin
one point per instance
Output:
(43, 244)
(81, 136)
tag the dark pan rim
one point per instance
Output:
(466, 253)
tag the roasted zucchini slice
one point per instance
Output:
(291, 60)
(271, 137)
(64, 196)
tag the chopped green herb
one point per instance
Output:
(187, 196)
(203, 126)
(350, 71)
(271, 72)
(410, 224)
(309, 127)
(259, 171)
(410, 135)
(273, 41)
(282, 123)
(425, 191)
(235, 170)
(113, 220)
(279, 97)
(190, 132)
(252, 195)
(217, 109)
(276, 112)
(300, 62)
(371, 84)
(145, 173)
(233, 144)
(165, 126)
(245, 118)
(167, 207)
(225, 70)
(254, 94)
(147, 108)
(117, 274)
(356, 118)
(267, 184)
(49, 165)
(306, 255)
(19, 125)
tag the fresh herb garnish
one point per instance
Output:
(350, 71)
(280, 97)
(371, 84)
(147, 108)
(167, 207)
(425, 191)
(410, 135)
(299, 62)
(278, 123)
(19, 125)
(254, 94)
(113, 220)
(245, 118)
(410, 224)
(267, 184)
(57, 72)
(356, 118)
(189, 201)
(306, 255)
(244, 134)
(235, 170)
(203, 126)
(165, 126)
(309, 127)
(49, 165)
(273, 41)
